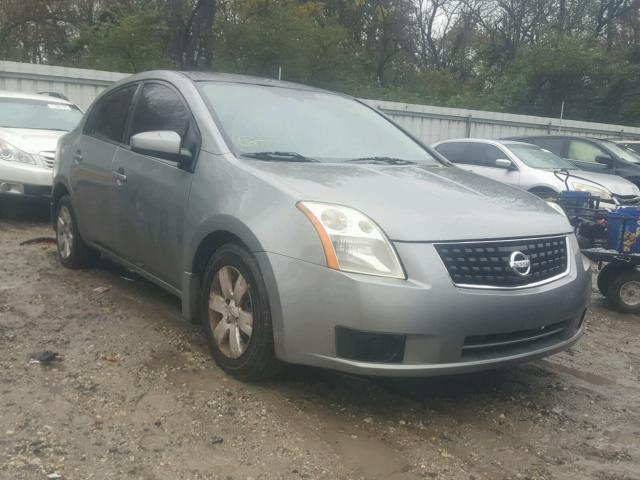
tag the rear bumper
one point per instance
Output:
(438, 322)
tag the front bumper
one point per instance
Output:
(24, 180)
(436, 319)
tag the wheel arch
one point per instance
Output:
(59, 190)
(212, 235)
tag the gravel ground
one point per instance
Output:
(134, 394)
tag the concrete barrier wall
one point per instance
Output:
(79, 85)
(428, 123)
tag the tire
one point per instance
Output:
(72, 250)
(624, 291)
(243, 352)
(607, 274)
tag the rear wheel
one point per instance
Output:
(624, 291)
(72, 250)
(236, 315)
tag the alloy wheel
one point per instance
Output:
(64, 229)
(230, 312)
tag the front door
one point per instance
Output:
(483, 157)
(153, 193)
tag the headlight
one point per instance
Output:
(9, 153)
(557, 208)
(352, 242)
(592, 189)
(636, 190)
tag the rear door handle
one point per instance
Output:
(119, 176)
(77, 157)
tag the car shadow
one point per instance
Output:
(16, 211)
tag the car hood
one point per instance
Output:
(31, 140)
(415, 203)
(615, 184)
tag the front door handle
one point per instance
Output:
(119, 176)
(77, 157)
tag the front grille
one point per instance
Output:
(486, 264)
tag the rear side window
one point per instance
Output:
(109, 116)
(454, 151)
(554, 145)
(160, 108)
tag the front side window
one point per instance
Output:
(536, 157)
(484, 155)
(315, 125)
(108, 118)
(38, 114)
(160, 108)
(584, 152)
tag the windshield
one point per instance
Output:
(623, 153)
(37, 114)
(286, 123)
(536, 157)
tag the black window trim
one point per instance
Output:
(104, 98)
(134, 105)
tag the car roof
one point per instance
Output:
(33, 96)
(221, 77)
(577, 137)
(505, 142)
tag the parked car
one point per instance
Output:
(592, 154)
(633, 145)
(534, 169)
(30, 126)
(302, 226)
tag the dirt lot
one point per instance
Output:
(135, 395)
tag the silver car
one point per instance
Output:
(534, 169)
(30, 126)
(302, 226)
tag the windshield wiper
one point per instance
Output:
(385, 160)
(279, 156)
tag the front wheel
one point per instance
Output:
(624, 291)
(72, 250)
(236, 315)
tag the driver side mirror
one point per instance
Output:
(604, 160)
(504, 163)
(165, 144)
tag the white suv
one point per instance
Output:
(30, 126)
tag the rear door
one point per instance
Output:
(92, 181)
(153, 192)
(583, 154)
